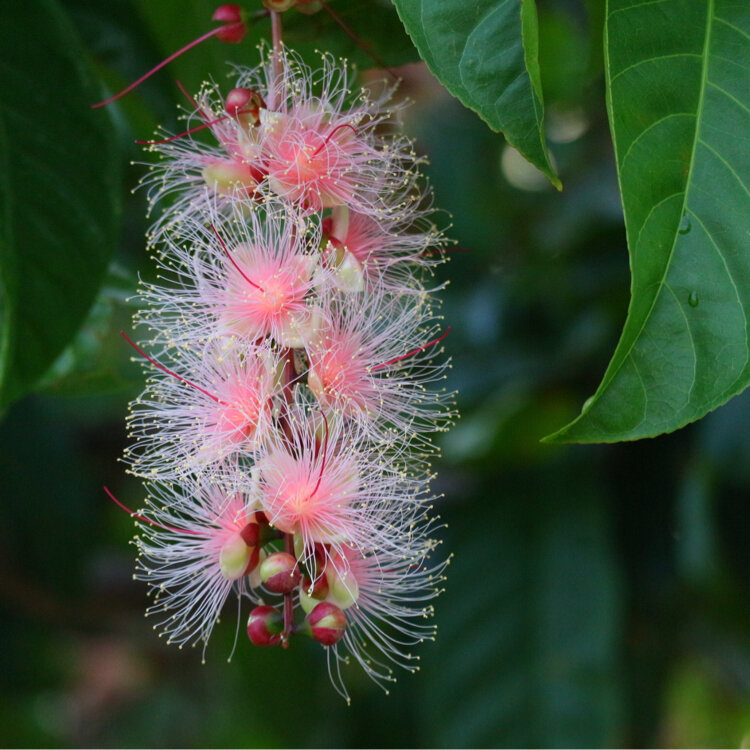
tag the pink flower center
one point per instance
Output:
(236, 418)
(298, 499)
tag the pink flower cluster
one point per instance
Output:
(286, 430)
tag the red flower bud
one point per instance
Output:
(327, 623)
(250, 534)
(245, 104)
(280, 572)
(311, 594)
(264, 626)
(235, 28)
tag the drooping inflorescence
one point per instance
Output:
(286, 430)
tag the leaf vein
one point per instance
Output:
(731, 281)
(732, 26)
(694, 351)
(726, 164)
(633, 7)
(651, 211)
(646, 130)
(729, 96)
(652, 59)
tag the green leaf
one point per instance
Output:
(486, 54)
(59, 193)
(679, 109)
(527, 650)
(95, 360)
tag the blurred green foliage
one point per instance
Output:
(599, 595)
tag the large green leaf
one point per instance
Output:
(486, 54)
(59, 197)
(678, 78)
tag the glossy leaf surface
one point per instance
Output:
(59, 196)
(486, 54)
(678, 76)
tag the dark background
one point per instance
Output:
(599, 595)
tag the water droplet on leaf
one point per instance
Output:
(685, 224)
(693, 299)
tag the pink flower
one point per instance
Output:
(293, 392)
(372, 361)
(314, 144)
(388, 256)
(216, 403)
(320, 482)
(198, 545)
(250, 275)
(385, 596)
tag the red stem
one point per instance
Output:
(127, 90)
(325, 455)
(187, 95)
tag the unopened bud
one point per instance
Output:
(326, 624)
(311, 593)
(348, 275)
(264, 626)
(280, 572)
(235, 29)
(343, 587)
(227, 176)
(245, 104)
(253, 577)
(235, 557)
(250, 534)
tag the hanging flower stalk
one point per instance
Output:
(294, 388)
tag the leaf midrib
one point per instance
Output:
(688, 184)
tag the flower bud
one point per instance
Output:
(250, 534)
(311, 593)
(253, 577)
(326, 624)
(226, 176)
(343, 587)
(264, 626)
(245, 104)
(234, 557)
(348, 275)
(235, 29)
(280, 572)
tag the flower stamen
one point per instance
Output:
(170, 372)
(413, 351)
